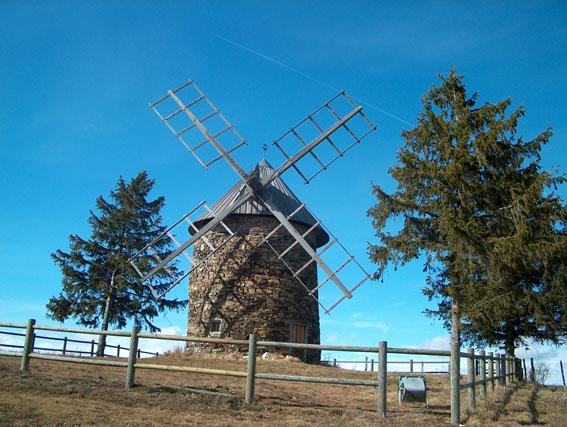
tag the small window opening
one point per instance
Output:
(217, 327)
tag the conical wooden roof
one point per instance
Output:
(280, 193)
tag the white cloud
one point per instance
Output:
(172, 330)
(548, 355)
(367, 321)
(381, 326)
(332, 337)
(440, 342)
(11, 340)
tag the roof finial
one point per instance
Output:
(265, 147)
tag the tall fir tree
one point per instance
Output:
(475, 206)
(99, 287)
(523, 296)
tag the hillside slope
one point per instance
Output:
(70, 394)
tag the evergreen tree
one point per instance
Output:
(100, 289)
(473, 205)
(524, 294)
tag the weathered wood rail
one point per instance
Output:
(494, 370)
(65, 350)
(370, 364)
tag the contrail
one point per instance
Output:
(308, 77)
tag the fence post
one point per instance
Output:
(64, 346)
(92, 348)
(422, 367)
(251, 377)
(371, 365)
(471, 403)
(118, 350)
(562, 373)
(139, 353)
(365, 363)
(513, 373)
(503, 369)
(411, 365)
(491, 370)
(482, 374)
(455, 378)
(131, 372)
(532, 372)
(498, 370)
(334, 363)
(28, 346)
(525, 370)
(382, 378)
(511, 369)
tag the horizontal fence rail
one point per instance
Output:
(65, 340)
(371, 364)
(493, 369)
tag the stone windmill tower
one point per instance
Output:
(257, 255)
(244, 287)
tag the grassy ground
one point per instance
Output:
(523, 405)
(55, 393)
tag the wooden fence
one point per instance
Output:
(64, 350)
(494, 369)
(371, 364)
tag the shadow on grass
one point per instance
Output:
(283, 401)
(505, 401)
(534, 413)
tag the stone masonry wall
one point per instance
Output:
(250, 289)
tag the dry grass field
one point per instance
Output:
(55, 393)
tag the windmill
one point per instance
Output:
(293, 231)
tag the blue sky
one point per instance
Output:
(76, 78)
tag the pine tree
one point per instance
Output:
(99, 287)
(474, 206)
(524, 294)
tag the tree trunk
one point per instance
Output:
(106, 318)
(455, 365)
(510, 346)
(510, 350)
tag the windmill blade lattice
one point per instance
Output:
(336, 126)
(338, 123)
(191, 116)
(148, 261)
(348, 270)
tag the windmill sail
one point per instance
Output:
(348, 270)
(309, 147)
(193, 117)
(148, 261)
(339, 123)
